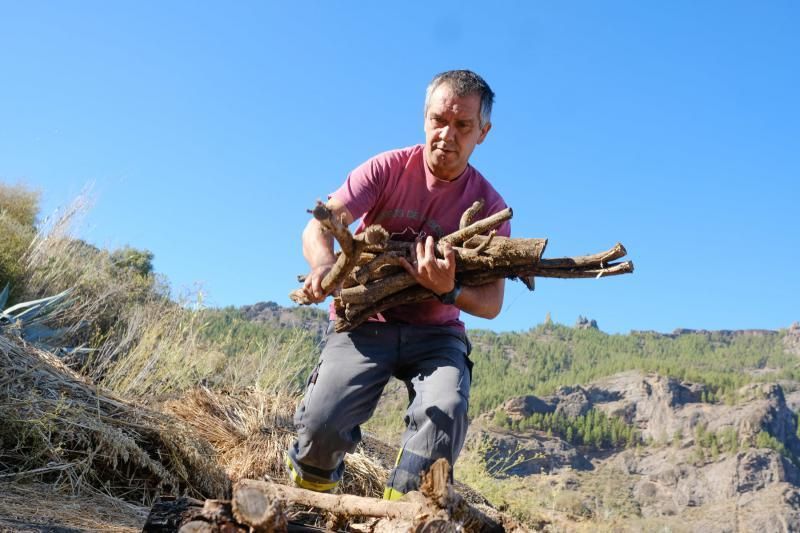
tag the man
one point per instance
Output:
(417, 194)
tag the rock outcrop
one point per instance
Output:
(684, 472)
(585, 323)
(792, 339)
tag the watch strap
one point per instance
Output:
(449, 298)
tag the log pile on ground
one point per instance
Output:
(372, 279)
(259, 506)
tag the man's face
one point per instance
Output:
(452, 129)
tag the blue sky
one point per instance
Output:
(209, 128)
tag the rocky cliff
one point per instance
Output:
(698, 466)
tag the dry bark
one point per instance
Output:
(372, 280)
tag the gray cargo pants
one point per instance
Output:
(344, 389)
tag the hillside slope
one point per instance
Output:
(693, 464)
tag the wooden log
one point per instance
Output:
(168, 514)
(435, 484)
(378, 289)
(611, 269)
(339, 504)
(480, 278)
(439, 504)
(261, 508)
(436, 487)
(197, 526)
(500, 252)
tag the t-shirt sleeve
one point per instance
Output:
(363, 186)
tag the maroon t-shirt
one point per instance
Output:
(397, 190)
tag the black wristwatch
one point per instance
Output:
(449, 298)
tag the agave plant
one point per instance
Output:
(27, 319)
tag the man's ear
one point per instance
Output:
(484, 131)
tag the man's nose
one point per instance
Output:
(446, 133)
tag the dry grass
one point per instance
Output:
(156, 352)
(60, 427)
(40, 507)
(251, 432)
(75, 424)
(102, 293)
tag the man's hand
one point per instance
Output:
(318, 251)
(312, 287)
(436, 275)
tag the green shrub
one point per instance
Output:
(133, 260)
(18, 210)
(765, 440)
(19, 203)
(594, 429)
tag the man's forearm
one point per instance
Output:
(318, 251)
(317, 245)
(484, 301)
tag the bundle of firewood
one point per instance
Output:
(369, 269)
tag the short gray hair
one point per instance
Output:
(464, 83)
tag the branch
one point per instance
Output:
(469, 214)
(378, 289)
(482, 277)
(598, 260)
(351, 250)
(378, 267)
(482, 226)
(485, 244)
(356, 315)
